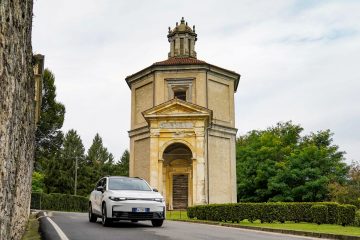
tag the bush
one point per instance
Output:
(59, 202)
(328, 212)
(346, 214)
(319, 214)
(357, 219)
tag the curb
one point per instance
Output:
(47, 229)
(284, 231)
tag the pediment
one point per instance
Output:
(177, 108)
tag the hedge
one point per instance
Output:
(59, 202)
(271, 212)
(319, 213)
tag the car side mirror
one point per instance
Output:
(155, 190)
(100, 188)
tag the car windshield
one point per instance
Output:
(128, 184)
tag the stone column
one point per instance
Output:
(194, 181)
(160, 176)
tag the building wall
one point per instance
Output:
(213, 172)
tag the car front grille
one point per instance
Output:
(138, 215)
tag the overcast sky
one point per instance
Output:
(298, 60)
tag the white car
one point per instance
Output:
(126, 198)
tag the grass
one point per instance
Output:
(32, 229)
(175, 215)
(308, 227)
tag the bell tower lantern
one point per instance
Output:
(182, 40)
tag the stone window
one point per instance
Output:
(180, 94)
(180, 88)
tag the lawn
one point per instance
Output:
(308, 227)
(32, 229)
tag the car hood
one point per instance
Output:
(134, 194)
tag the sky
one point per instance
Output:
(298, 60)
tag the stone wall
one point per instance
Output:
(16, 116)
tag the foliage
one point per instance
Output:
(346, 214)
(60, 175)
(278, 164)
(48, 137)
(319, 213)
(357, 219)
(37, 182)
(122, 167)
(348, 192)
(271, 212)
(59, 202)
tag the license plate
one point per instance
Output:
(141, 209)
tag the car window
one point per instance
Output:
(128, 184)
(99, 183)
(104, 183)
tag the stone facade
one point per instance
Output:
(17, 118)
(182, 137)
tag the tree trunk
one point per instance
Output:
(16, 116)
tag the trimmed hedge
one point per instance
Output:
(319, 213)
(271, 212)
(59, 202)
(346, 214)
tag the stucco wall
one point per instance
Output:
(142, 158)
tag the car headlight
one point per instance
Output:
(159, 199)
(117, 198)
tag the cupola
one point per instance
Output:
(182, 40)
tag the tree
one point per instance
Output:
(37, 182)
(60, 176)
(98, 160)
(348, 191)
(122, 167)
(277, 164)
(17, 119)
(49, 137)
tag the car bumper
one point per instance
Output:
(129, 210)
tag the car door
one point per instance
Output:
(98, 197)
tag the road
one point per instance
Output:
(77, 227)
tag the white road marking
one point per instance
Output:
(57, 228)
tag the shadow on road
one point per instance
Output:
(126, 224)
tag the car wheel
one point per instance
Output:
(157, 222)
(104, 219)
(134, 221)
(92, 217)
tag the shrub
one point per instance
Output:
(346, 214)
(328, 212)
(59, 202)
(357, 219)
(319, 213)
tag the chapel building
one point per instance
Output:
(182, 136)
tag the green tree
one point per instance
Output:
(348, 192)
(37, 182)
(98, 160)
(122, 167)
(277, 164)
(48, 137)
(61, 175)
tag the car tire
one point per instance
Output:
(157, 222)
(92, 216)
(104, 219)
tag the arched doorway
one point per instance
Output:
(178, 170)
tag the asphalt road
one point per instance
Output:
(77, 227)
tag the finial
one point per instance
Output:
(186, 23)
(177, 23)
(182, 20)
(193, 28)
(169, 30)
